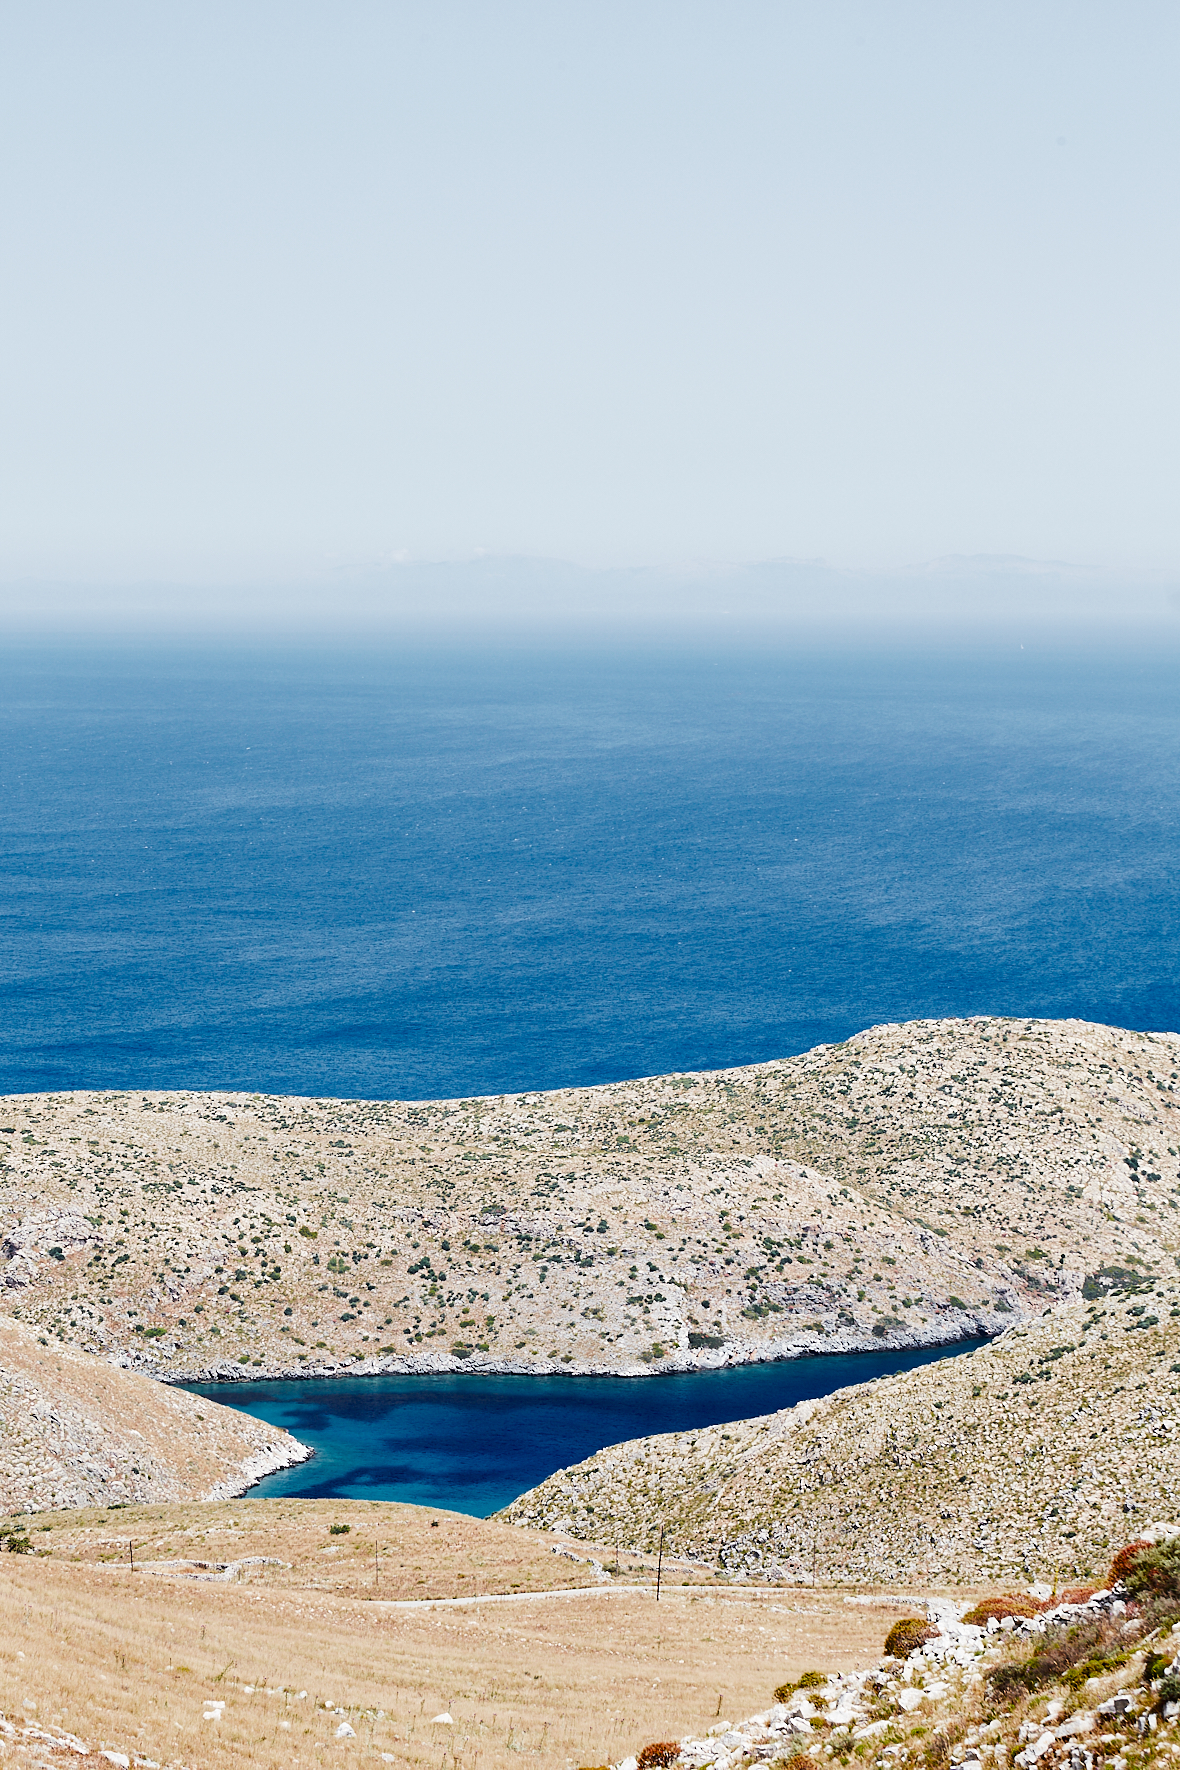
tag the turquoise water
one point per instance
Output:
(473, 1443)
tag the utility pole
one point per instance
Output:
(660, 1564)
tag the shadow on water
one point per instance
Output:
(472, 1443)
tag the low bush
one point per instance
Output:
(1155, 1572)
(658, 1755)
(1071, 1655)
(1169, 1690)
(938, 1752)
(805, 1681)
(907, 1635)
(1011, 1604)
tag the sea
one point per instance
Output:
(416, 869)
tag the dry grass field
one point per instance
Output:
(136, 1663)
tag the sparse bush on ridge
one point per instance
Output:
(805, 1681)
(1125, 1560)
(1155, 1571)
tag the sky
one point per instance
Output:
(296, 295)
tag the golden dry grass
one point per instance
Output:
(129, 1662)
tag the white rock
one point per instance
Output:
(443, 1720)
(119, 1758)
(344, 1731)
(909, 1700)
(1082, 1722)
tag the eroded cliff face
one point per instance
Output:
(75, 1432)
(1026, 1459)
(916, 1185)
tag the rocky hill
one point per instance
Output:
(76, 1432)
(916, 1185)
(1029, 1458)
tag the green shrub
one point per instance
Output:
(1069, 1655)
(806, 1681)
(1156, 1571)
(1169, 1690)
(1125, 1560)
(339, 1529)
(907, 1635)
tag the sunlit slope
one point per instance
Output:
(913, 1185)
(1029, 1459)
(74, 1430)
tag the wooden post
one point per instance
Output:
(660, 1564)
(131, 1550)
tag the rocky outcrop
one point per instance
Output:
(935, 1706)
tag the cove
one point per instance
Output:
(473, 1443)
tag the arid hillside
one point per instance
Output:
(916, 1185)
(1029, 1459)
(75, 1430)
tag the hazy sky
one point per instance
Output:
(288, 288)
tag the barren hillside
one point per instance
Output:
(917, 1184)
(1027, 1459)
(75, 1431)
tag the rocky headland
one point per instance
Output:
(916, 1185)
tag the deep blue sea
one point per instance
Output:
(420, 871)
(473, 1443)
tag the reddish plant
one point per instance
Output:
(659, 1755)
(1125, 1560)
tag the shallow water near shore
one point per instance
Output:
(473, 1443)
